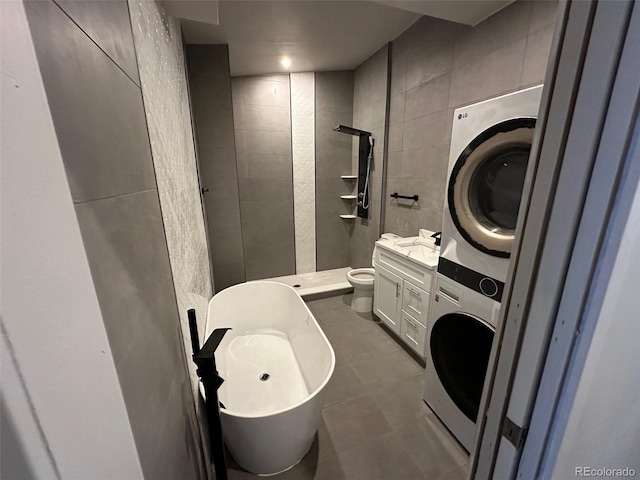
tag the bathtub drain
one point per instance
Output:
(264, 377)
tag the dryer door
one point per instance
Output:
(485, 185)
(460, 346)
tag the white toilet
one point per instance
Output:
(362, 281)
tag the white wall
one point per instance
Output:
(598, 424)
(59, 383)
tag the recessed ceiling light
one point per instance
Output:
(285, 62)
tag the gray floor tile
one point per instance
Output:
(320, 463)
(329, 470)
(382, 458)
(344, 318)
(350, 335)
(308, 469)
(383, 371)
(342, 325)
(236, 473)
(354, 421)
(344, 385)
(460, 473)
(341, 359)
(371, 346)
(432, 447)
(401, 402)
(330, 302)
(326, 449)
(328, 319)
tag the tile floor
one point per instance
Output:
(375, 425)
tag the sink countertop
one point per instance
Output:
(421, 249)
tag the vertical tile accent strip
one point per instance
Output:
(304, 181)
(158, 44)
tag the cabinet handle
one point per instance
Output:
(417, 294)
(409, 337)
(397, 290)
(410, 323)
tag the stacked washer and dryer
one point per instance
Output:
(490, 144)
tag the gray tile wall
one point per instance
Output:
(334, 106)
(108, 24)
(210, 87)
(369, 113)
(98, 115)
(262, 123)
(438, 66)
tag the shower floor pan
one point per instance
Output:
(324, 283)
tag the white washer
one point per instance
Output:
(459, 337)
(490, 144)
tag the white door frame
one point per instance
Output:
(581, 147)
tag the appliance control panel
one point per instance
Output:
(487, 286)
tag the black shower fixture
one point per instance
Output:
(365, 154)
(350, 130)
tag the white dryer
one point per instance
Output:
(459, 337)
(490, 144)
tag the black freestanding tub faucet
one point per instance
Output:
(205, 360)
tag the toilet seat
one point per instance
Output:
(362, 277)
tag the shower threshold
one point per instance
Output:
(317, 284)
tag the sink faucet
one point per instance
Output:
(437, 238)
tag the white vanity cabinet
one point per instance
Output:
(402, 293)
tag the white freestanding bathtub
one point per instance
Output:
(276, 363)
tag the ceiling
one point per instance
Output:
(470, 12)
(317, 35)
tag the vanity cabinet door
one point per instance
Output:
(388, 298)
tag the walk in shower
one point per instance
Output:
(286, 197)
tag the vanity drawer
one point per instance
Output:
(415, 302)
(414, 273)
(413, 333)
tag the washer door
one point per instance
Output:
(460, 347)
(486, 184)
